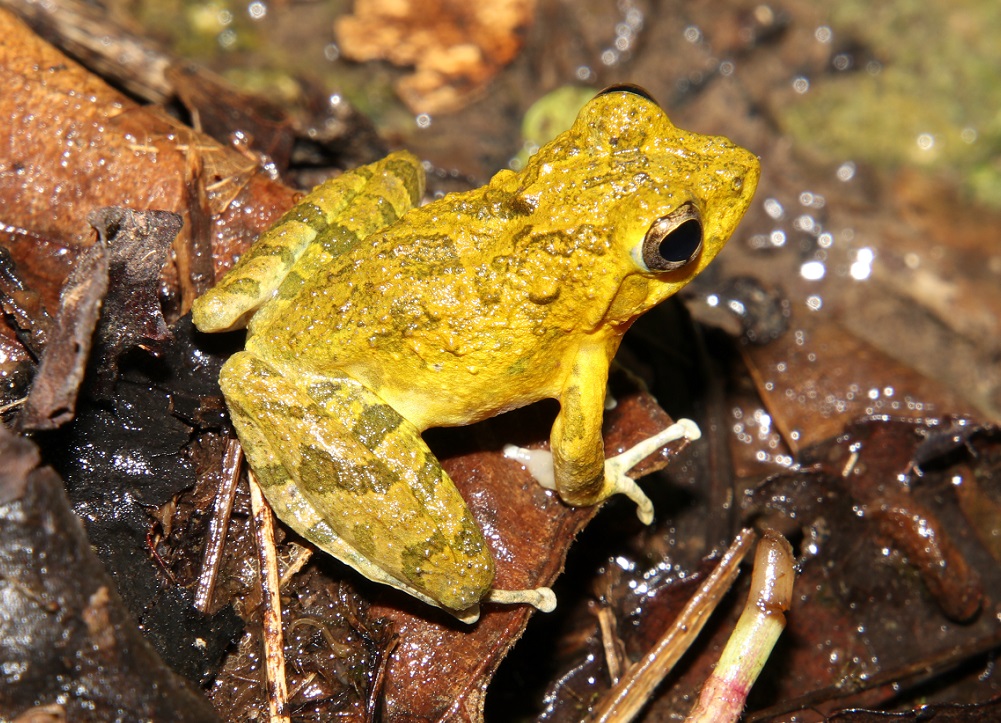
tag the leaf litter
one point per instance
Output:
(866, 496)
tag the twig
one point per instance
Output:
(274, 653)
(609, 638)
(300, 557)
(379, 681)
(623, 702)
(218, 525)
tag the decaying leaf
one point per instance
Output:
(129, 253)
(73, 144)
(22, 307)
(65, 636)
(52, 400)
(138, 243)
(455, 47)
(39, 267)
(821, 378)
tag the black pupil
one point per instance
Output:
(682, 243)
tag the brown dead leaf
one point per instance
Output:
(137, 243)
(120, 273)
(818, 377)
(456, 47)
(34, 270)
(23, 306)
(52, 400)
(73, 144)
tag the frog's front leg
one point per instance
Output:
(576, 466)
(349, 474)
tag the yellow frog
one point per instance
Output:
(371, 319)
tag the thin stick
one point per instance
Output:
(274, 653)
(623, 702)
(219, 525)
(299, 559)
(609, 638)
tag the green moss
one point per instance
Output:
(549, 116)
(932, 98)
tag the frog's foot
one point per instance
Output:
(617, 467)
(541, 598)
(539, 463)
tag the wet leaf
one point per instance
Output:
(817, 378)
(36, 269)
(22, 306)
(138, 243)
(455, 47)
(130, 254)
(66, 636)
(52, 400)
(74, 145)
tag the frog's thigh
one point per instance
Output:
(349, 474)
(399, 446)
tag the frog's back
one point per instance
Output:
(486, 296)
(471, 279)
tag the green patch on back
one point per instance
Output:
(469, 540)
(325, 391)
(308, 213)
(243, 286)
(427, 479)
(375, 422)
(411, 176)
(328, 476)
(291, 286)
(337, 239)
(433, 256)
(363, 540)
(271, 476)
(415, 557)
(275, 247)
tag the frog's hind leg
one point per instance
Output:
(349, 474)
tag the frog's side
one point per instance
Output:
(395, 319)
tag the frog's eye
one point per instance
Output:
(674, 240)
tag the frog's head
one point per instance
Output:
(666, 199)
